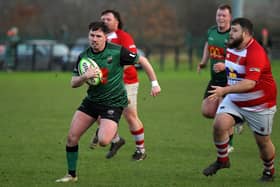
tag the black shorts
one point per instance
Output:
(105, 112)
(213, 83)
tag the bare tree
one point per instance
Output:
(157, 21)
(153, 22)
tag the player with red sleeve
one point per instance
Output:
(244, 64)
(124, 39)
(112, 19)
(250, 96)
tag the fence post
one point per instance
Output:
(16, 57)
(190, 56)
(33, 60)
(176, 57)
(162, 58)
(50, 57)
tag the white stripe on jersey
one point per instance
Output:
(257, 108)
(241, 53)
(232, 66)
(232, 71)
(246, 96)
(257, 98)
(132, 46)
(111, 35)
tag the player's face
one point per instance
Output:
(97, 40)
(236, 36)
(111, 22)
(223, 18)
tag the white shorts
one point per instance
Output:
(132, 91)
(260, 122)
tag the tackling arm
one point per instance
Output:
(205, 58)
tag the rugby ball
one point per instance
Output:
(83, 66)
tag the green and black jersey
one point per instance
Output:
(217, 42)
(111, 91)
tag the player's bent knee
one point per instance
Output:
(72, 140)
(219, 128)
(208, 114)
(263, 141)
(103, 142)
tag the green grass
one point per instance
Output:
(36, 110)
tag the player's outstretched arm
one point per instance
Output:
(151, 74)
(204, 59)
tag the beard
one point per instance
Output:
(234, 43)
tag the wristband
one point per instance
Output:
(154, 83)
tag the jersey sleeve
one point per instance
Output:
(255, 64)
(127, 57)
(128, 43)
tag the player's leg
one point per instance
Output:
(135, 124)
(227, 116)
(230, 143)
(209, 109)
(222, 123)
(137, 131)
(261, 124)
(94, 140)
(267, 154)
(80, 123)
(108, 128)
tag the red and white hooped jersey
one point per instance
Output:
(251, 63)
(124, 39)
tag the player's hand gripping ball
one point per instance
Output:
(83, 66)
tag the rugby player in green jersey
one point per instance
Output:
(106, 100)
(215, 51)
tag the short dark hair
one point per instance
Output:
(93, 26)
(244, 23)
(116, 15)
(225, 6)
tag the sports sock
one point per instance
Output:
(96, 131)
(222, 151)
(139, 139)
(116, 138)
(269, 165)
(72, 158)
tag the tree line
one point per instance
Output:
(167, 22)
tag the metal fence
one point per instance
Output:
(57, 57)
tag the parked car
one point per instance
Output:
(42, 55)
(60, 53)
(80, 45)
(31, 57)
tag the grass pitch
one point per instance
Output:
(36, 110)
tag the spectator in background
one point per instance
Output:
(265, 41)
(215, 51)
(13, 40)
